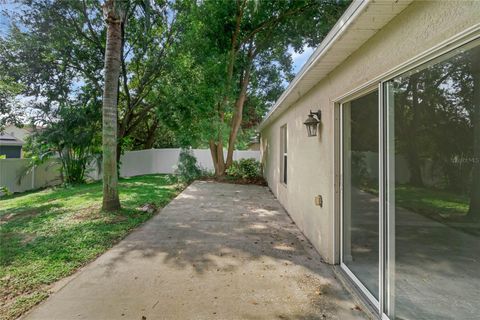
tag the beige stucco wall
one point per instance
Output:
(311, 168)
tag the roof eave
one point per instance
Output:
(361, 20)
(336, 32)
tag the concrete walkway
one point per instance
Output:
(218, 251)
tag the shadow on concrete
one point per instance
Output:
(217, 251)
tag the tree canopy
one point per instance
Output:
(238, 60)
(192, 73)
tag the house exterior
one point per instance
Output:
(10, 147)
(388, 187)
(13, 138)
(21, 133)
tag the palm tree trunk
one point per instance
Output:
(113, 20)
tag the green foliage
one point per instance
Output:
(175, 89)
(245, 169)
(58, 54)
(4, 191)
(9, 107)
(188, 169)
(360, 175)
(437, 125)
(211, 45)
(73, 139)
(47, 235)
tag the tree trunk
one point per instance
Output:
(413, 157)
(213, 153)
(216, 150)
(238, 112)
(216, 147)
(111, 200)
(474, 209)
(235, 126)
(220, 159)
(151, 135)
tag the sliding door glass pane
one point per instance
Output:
(435, 147)
(360, 190)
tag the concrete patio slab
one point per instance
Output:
(218, 251)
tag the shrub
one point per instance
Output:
(72, 140)
(245, 169)
(4, 191)
(188, 169)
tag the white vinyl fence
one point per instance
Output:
(14, 176)
(136, 163)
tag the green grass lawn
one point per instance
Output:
(47, 235)
(434, 203)
(431, 202)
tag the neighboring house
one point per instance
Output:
(19, 132)
(382, 184)
(10, 147)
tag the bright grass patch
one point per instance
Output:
(431, 202)
(47, 235)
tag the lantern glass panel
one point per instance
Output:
(312, 129)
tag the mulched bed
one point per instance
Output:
(227, 179)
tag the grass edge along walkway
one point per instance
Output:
(47, 235)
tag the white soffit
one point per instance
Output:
(361, 20)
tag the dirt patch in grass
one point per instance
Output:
(18, 215)
(16, 307)
(23, 237)
(89, 213)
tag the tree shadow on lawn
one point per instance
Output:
(29, 200)
(48, 235)
(31, 260)
(132, 191)
(47, 228)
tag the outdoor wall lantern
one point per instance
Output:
(312, 122)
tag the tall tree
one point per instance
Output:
(237, 43)
(57, 52)
(114, 16)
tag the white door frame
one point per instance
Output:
(385, 303)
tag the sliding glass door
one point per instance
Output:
(434, 188)
(360, 257)
(410, 182)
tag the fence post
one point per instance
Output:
(33, 177)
